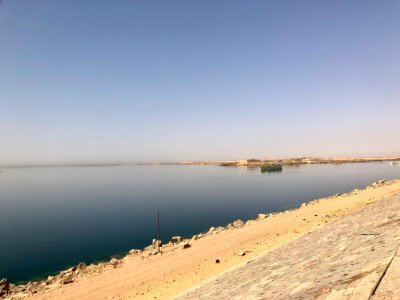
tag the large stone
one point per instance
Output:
(261, 216)
(20, 288)
(230, 226)
(134, 252)
(379, 183)
(82, 266)
(115, 262)
(4, 286)
(220, 228)
(176, 239)
(50, 280)
(157, 244)
(3, 281)
(238, 223)
(184, 245)
(68, 279)
(68, 271)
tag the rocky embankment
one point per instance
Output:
(70, 275)
(177, 243)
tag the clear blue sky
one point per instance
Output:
(95, 81)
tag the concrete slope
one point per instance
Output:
(344, 259)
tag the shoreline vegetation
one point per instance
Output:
(238, 163)
(185, 262)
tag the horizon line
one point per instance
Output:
(165, 162)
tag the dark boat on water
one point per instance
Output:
(271, 168)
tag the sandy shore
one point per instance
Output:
(146, 276)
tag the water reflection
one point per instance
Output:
(51, 218)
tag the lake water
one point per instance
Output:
(53, 218)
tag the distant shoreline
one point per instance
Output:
(293, 161)
(244, 162)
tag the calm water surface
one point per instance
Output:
(53, 218)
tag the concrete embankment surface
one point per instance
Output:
(344, 259)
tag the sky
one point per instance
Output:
(130, 81)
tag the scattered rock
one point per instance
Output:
(230, 226)
(81, 266)
(217, 261)
(176, 239)
(4, 287)
(220, 228)
(31, 284)
(50, 279)
(135, 252)
(313, 202)
(20, 288)
(68, 279)
(184, 245)
(242, 253)
(238, 223)
(261, 216)
(68, 271)
(157, 244)
(379, 183)
(115, 262)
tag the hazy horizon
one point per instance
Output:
(108, 82)
(162, 162)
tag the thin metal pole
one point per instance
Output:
(158, 225)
